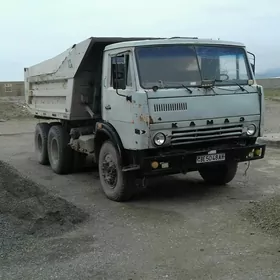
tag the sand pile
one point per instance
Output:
(13, 108)
(265, 214)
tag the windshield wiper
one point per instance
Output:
(241, 87)
(188, 89)
(163, 84)
(220, 81)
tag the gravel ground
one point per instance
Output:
(265, 214)
(33, 210)
(177, 229)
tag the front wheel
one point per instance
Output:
(219, 174)
(116, 184)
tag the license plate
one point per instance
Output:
(210, 158)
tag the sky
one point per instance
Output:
(33, 31)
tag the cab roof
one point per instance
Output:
(168, 41)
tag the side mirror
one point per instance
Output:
(119, 84)
(119, 73)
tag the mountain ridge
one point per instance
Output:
(270, 73)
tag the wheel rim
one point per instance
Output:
(109, 171)
(54, 151)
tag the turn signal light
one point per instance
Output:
(155, 164)
(258, 152)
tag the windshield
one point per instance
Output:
(178, 65)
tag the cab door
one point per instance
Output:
(117, 91)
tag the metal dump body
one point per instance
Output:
(61, 86)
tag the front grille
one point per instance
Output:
(203, 134)
(170, 107)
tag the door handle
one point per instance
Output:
(108, 107)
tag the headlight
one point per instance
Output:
(251, 130)
(159, 139)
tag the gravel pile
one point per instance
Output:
(265, 215)
(13, 108)
(26, 209)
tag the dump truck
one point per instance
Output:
(144, 107)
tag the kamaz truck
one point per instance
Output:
(145, 107)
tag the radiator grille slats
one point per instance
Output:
(182, 136)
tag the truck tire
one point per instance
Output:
(60, 154)
(116, 184)
(41, 142)
(219, 174)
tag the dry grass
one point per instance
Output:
(270, 93)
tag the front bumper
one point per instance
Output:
(182, 161)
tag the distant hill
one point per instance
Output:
(270, 73)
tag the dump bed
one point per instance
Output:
(65, 86)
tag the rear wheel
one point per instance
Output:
(219, 174)
(41, 142)
(60, 154)
(116, 184)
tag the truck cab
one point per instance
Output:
(189, 91)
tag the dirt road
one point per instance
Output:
(177, 229)
(272, 117)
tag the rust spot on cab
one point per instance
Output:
(147, 119)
